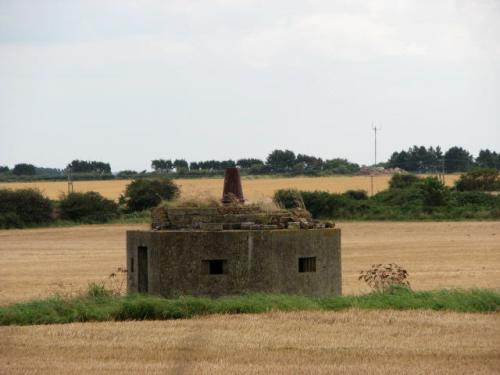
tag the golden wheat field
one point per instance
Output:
(255, 189)
(347, 342)
(39, 262)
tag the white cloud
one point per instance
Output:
(263, 34)
(160, 49)
(454, 34)
(198, 68)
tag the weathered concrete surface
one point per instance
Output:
(254, 261)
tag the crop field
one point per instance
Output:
(39, 262)
(255, 189)
(347, 342)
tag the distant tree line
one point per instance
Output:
(76, 166)
(277, 162)
(417, 159)
(84, 166)
(80, 169)
(420, 159)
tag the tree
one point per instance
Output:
(142, 194)
(488, 159)
(259, 169)
(227, 164)
(4, 169)
(212, 165)
(417, 159)
(299, 168)
(24, 169)
(340, 166)
(84, 166)
(248, 163)
(456, 159)
(280, 160)
(162, 165)
(310, 162)
(180, 164)
(48, 172)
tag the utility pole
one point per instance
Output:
(375, 129)
(70, 180)
(443, 170)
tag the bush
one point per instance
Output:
(402, 181)
(484, 179)
(322, 204)
(10, 220)
(24, 207)
(434, 192)
(126, 174)
(402, 198)
(475, 198)
(359, 195)
(426, 200)
(87, 207)
(288, 198)
(142, 194)
(24, 169)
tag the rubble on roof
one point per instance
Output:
(250, 217)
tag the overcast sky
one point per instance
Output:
(129, 81)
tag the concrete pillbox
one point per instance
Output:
(225, 262)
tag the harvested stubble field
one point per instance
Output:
(38, 262)
(347, 342)
(255, 189)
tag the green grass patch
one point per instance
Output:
(103, 306)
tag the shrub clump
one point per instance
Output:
(359, 195)
(288, 198)
(89, 207)
(142, 194)
(408, 198)
(322, 204)
(402, 181)
(24, 207)
(434, 192)
(484, 179)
